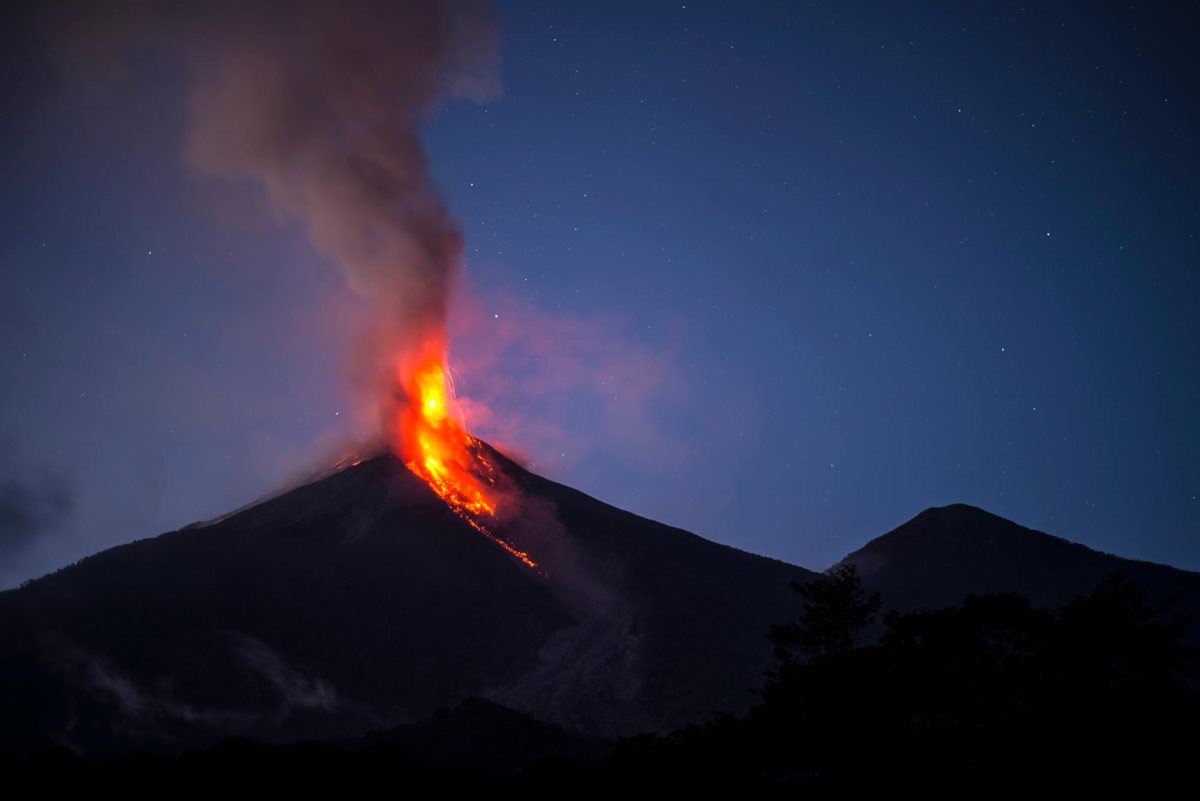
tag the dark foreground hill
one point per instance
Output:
(944, 554)
(475, 750)
(992, 697)
(361, 601)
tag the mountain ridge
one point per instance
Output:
(361, 600)
(975, 552)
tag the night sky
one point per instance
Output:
(779, 274)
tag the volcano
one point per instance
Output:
(362, 601)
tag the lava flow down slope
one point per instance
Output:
(436, 571)
(364, 599)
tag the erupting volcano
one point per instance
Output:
(325, 113)
(434, 444)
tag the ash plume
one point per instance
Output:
(322, 104)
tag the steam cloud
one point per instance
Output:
(296, 689)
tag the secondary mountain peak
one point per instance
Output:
(945, 553)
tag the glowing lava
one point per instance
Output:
(437, 448)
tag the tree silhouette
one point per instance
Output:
(836, 611)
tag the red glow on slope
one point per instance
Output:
(435, 446)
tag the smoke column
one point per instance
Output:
(324, 109)
(322, 104)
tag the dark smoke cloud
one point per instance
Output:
(322, 105)
(34, 501)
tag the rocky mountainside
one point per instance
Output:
(360, 601)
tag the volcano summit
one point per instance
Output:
(363, 600)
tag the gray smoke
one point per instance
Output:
(297, 690)
(320, 103)
(34, 501)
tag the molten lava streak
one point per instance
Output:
(437, 448)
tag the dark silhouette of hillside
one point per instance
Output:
(477, 749)
(991, 696)
(944, 554)
(360, 601)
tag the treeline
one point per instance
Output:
(992, 696)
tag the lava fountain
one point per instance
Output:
(435, 445)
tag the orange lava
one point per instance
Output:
(436, 447)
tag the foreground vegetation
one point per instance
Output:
(990, 696)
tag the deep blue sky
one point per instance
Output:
(885, 259)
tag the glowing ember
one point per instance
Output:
(437, 448)
(353, 460)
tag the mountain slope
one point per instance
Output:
(361, 601)
(946, 553)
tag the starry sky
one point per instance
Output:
(779, 274)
